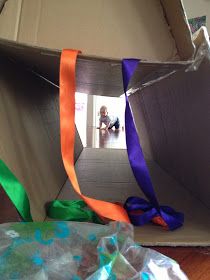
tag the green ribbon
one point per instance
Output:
(15, 192)
(71, 210)
(67, 210)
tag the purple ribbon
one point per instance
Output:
(136, 158)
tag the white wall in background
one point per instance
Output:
(197, 8)
(81, 100)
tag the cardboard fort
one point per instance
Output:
(170, 103)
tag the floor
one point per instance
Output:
(194, 261)
(96, 138)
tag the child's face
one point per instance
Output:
(103, 113)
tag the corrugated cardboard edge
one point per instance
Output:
(200, 37)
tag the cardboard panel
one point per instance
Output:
(31, 10)
(111, 28)
(9, 18)
(140, 123)
(106, 174)
(177, 116)
(94, 75)
(29, 141)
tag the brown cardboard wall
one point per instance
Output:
(177, 115)
(29, 141)
(111, 28)
(177, 21)
(9, 19)
(116, 28)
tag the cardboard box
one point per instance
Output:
(148, 29)
(171, 114)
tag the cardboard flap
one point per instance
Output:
(201, 37)
(177, 20)
(110, 28)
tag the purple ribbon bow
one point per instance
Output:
(136, 158)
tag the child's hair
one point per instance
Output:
(103, 108)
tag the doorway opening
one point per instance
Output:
(87, 116)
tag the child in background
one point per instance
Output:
(109, 121)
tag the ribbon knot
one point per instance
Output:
(142, 212)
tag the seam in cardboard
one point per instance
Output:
(2, 4)
(37, 21)
(17, 24)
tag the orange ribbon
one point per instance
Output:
(104, 209)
